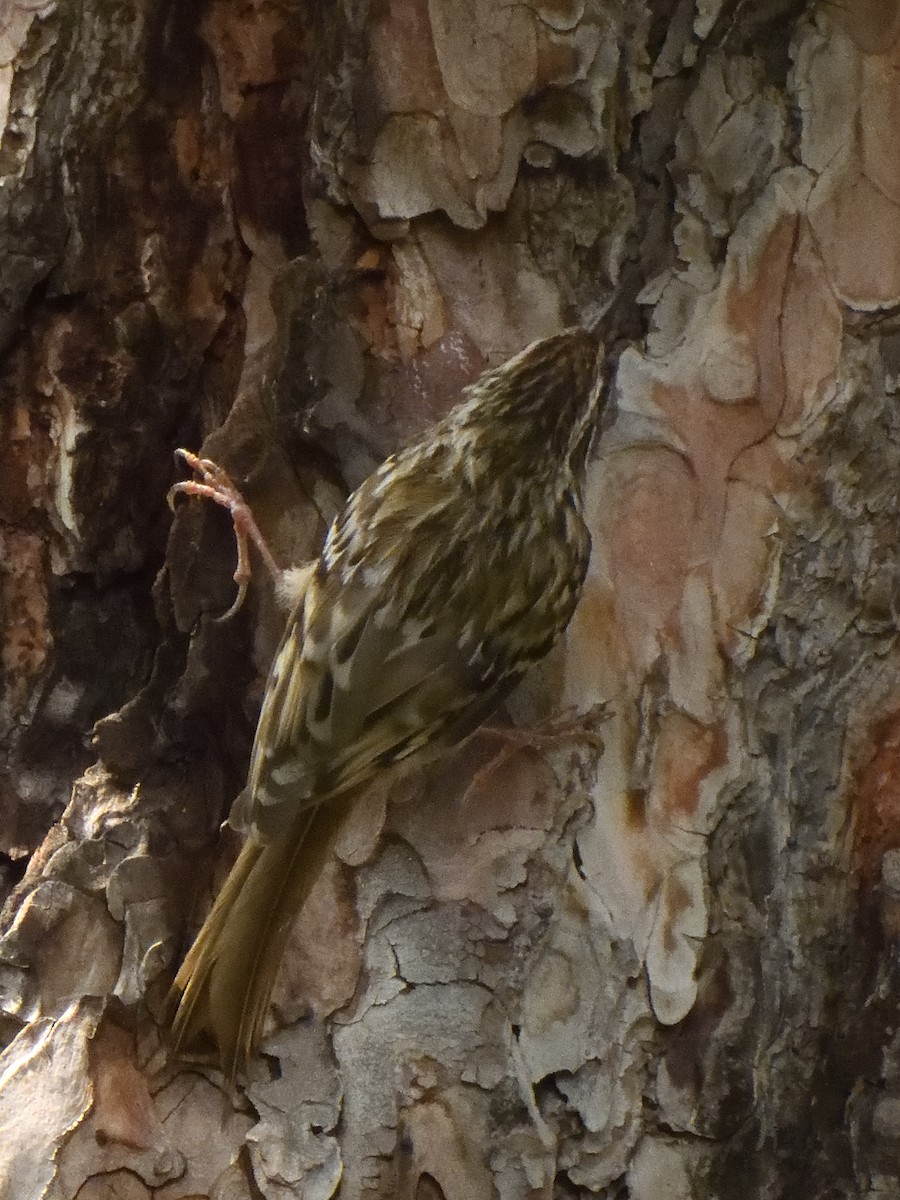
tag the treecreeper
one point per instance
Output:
(449, 572)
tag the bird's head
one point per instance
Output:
(541, 405)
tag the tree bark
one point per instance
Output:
(290, 233)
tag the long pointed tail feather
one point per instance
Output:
(221, 993)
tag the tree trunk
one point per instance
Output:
(291, 233)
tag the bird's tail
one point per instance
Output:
(221, 993)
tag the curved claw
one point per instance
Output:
(215, 484)
(235, 606)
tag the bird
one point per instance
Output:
(451, 570)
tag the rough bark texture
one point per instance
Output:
(290, 232)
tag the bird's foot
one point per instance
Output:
(579, 727)
(549, 735)
(213, 483)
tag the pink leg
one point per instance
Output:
(214, 484)
(578, 728)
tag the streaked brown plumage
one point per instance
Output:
(451, 570)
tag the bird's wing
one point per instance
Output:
(354, 688)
